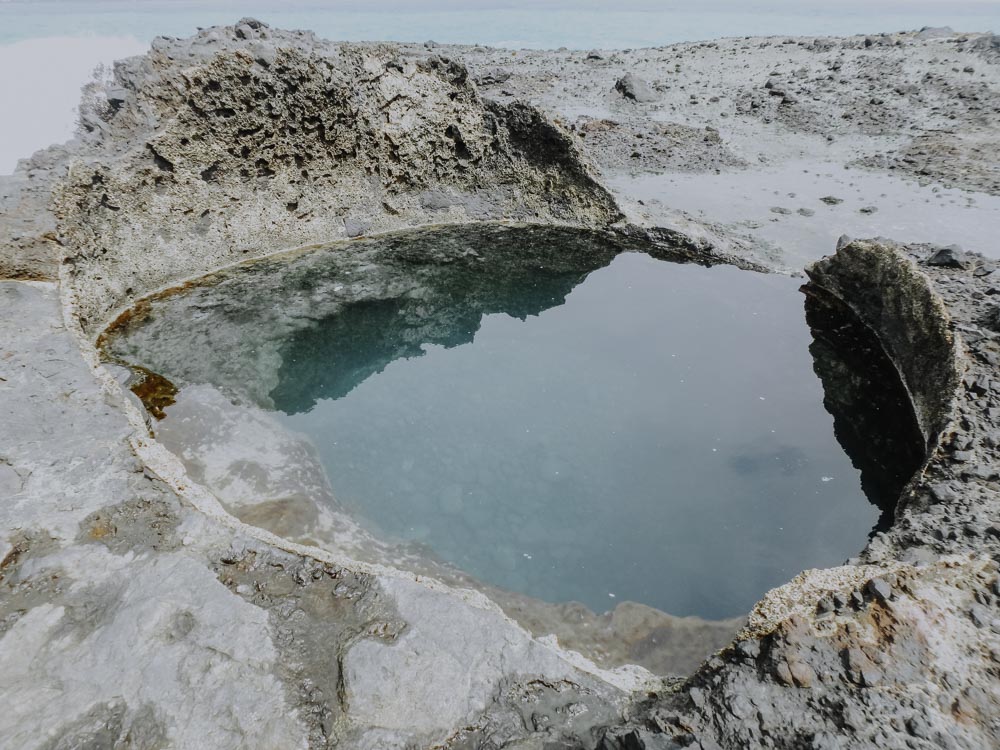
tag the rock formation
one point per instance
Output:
(135, 610)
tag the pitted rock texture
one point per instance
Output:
(31, 247)
(235, 143)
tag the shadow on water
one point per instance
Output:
(457, 277)
(526, 272)
(873, 417)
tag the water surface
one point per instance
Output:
(659, 437)
(545, 413)
(783, 206)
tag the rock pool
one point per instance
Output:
(543, 409)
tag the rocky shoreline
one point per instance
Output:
(136, 610)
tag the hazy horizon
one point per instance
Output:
(649, 5)
(55, 45)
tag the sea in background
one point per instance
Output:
(48, 50)
(514, 23)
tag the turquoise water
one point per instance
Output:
(511, 24)
(545, 413)
(660, 437)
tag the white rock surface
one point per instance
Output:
(160, 632)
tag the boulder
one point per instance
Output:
(634, 88)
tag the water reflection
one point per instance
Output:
(455, 280)
(874, 420)
(553, 415)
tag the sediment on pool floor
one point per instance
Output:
(381, 301)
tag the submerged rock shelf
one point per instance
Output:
(117, 562)
(610, 428)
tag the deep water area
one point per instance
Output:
(547, 410)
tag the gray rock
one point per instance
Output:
(632, 739)
(951, 256)
(981, 616)
(750, 649)
(860, 668)
(354, 227)
(117, 95)
(251, 28)
(493, 77)
(437, 200)
(264, 53)
(943, 493)
(985, 270)
(632, 87)
(935, 32)
(879, 589)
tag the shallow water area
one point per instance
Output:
(541, 410)
(784, 206)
